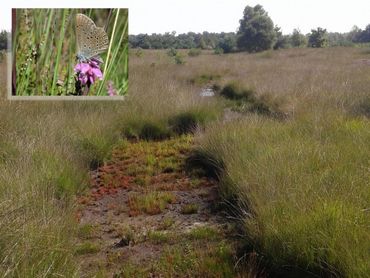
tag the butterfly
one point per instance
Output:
(91, 40)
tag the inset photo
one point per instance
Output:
(69, 53)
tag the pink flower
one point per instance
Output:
(88, 72)
(111, 90)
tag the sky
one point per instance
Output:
(159, 16)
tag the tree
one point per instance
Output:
(338, 39)
(227, 43)
(359, 36)
(256, 32)
(355, 34)
(3, 40)
(318, 38)
(365, 34)
(141, 40)
(297, 39)
(282, 41)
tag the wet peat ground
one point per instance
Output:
(145, 216)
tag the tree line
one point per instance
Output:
(256, 32)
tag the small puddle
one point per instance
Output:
(207, 92)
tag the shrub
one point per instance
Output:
(318, 38)
(268, 54)
(218, 50)
(139, 52)
(172, 52)
(297, 39)
(179, 59)
(194, 52)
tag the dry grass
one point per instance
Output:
(297, 79)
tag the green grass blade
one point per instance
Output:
(59, 51)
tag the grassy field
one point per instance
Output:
(298, 183)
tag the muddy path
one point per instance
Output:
(146, 216)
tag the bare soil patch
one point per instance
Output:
(141, 204)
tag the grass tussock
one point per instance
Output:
(87, 248)
(190, 209)
(146, 130)
(233, 91)
(204, 232)
(245, 100)
(189, 121)
(158, 237)
(177, 124)
(303, 184)
(151, 203)
(201, 162)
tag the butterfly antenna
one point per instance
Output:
(107, 23)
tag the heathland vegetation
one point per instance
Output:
(285, 138)
(297, 182)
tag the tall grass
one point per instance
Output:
(44, 50)
(302, 189)
(116, 66)
(46, 151)
(44, 165)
